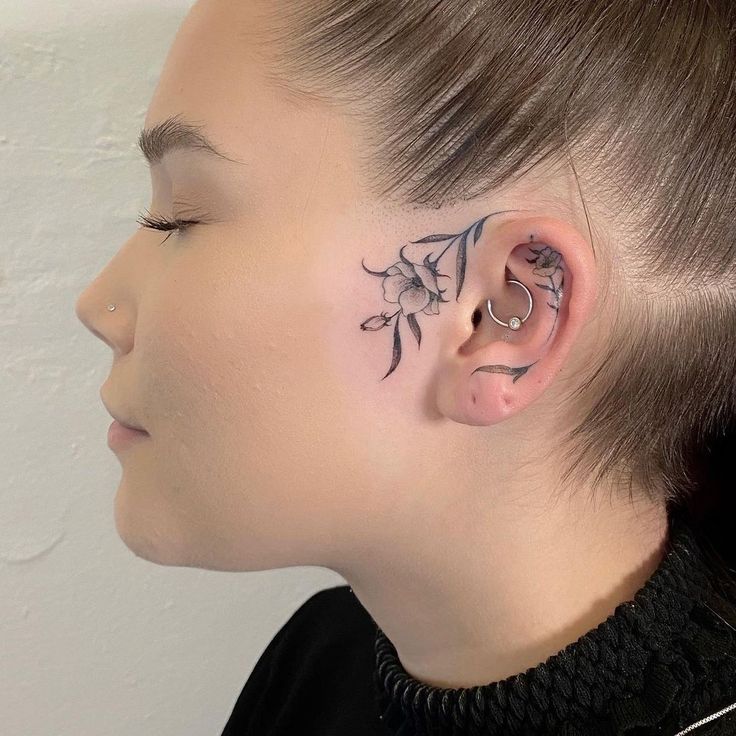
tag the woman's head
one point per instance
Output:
(314, 380)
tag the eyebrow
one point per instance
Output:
(176, 133)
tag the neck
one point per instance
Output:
(473, 599)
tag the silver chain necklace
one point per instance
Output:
(706, 720)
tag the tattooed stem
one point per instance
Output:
(413, 284)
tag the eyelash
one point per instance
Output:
(154, 222)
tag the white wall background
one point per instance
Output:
(93, 640)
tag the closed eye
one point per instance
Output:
(155, 222)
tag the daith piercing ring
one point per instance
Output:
(514, 323)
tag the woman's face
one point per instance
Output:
(237, 343)
(272, 351)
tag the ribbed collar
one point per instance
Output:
(631, 670)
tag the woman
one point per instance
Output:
(446, 306)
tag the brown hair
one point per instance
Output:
(458, 97)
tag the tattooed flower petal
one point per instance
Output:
(393, 286)
(548, 261)
(401, 267)
(428, 277)
(414, 299)
(432, 307)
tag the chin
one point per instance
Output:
(142, 536)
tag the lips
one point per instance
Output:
(121, 419)
(128, 424)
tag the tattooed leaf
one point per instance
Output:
(433, 238)
(412, 320)
(374, 273)
(461, 261)
(544, 286)
(403, 257)
(478, 231)
(396, 350)
(517, 373)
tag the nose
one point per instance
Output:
(92, 313)
(86, 310)
(121, 282)
(115, 284)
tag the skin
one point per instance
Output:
(277, 437)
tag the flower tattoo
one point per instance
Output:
(414, 286)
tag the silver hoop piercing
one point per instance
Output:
(514, 323)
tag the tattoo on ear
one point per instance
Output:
(413, 286)
(547, 263)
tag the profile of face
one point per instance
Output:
(312, 379)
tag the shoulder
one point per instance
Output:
(337, 605)
(323, 654)
(330, 617)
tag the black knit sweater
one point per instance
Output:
(658, 664)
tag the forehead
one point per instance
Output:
(216, 74)
(213, 74)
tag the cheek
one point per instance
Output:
(237, 396)
(261, 452)
(193, 356)
(195, 486)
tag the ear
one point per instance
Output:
(488, 372)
